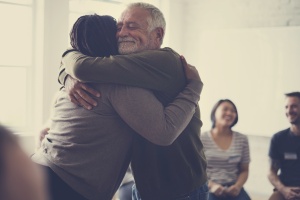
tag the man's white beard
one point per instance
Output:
(127, 48)
(128, 45)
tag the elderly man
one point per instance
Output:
(285, 154)
(169, 172)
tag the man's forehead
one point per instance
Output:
(134, 15)
(292, 100)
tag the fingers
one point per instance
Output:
(80, 93)
(183, 61)
(74, 100)
(87, 98)
(235, 193)
(90, 90)
(219, 191)
(191, 72)
(82, 102)
(43, 133)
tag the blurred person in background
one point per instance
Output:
(20, 178)
(284, 154)
(227, 154)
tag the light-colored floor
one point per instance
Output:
(258, 185)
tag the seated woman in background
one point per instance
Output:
(227, 154)
(20, 178)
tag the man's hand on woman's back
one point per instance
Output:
(191, 72)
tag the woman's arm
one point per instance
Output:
(235, 189)
(148, 69)
(216, 189)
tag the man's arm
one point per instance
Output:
(287, 192)
(140, 109)
(273, 177)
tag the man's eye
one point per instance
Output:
(132, 27)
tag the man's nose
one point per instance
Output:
(288, 110)
(122, 32)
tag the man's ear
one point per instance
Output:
(159, 35)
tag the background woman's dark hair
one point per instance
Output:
(95, 35)
(213, 112)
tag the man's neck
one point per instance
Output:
(295, 129)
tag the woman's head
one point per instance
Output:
(95, 35)
(224, 113)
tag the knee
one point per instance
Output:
(276, 196)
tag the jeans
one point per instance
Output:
(125, 191)
(242, 196)
(199, 194)
(58, 189)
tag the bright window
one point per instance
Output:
(16, 49)
(79, 8)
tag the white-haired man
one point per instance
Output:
(169, 172)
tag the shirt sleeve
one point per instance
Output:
(62, 75)
(155, 69)
(62, 70)
(146, 115)
(273, 153)
(246, 152)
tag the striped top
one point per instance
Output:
(223, 165)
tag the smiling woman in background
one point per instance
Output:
(227, 154)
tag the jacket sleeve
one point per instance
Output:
(146, 115)
(155, 69)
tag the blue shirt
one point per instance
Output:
(285, 147)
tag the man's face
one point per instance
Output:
(292, 110)
(133, 35)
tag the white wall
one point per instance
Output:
(253, 67)
(246, 51)
(55, 43)
(51, 20)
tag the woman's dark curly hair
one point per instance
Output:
(95, 35)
